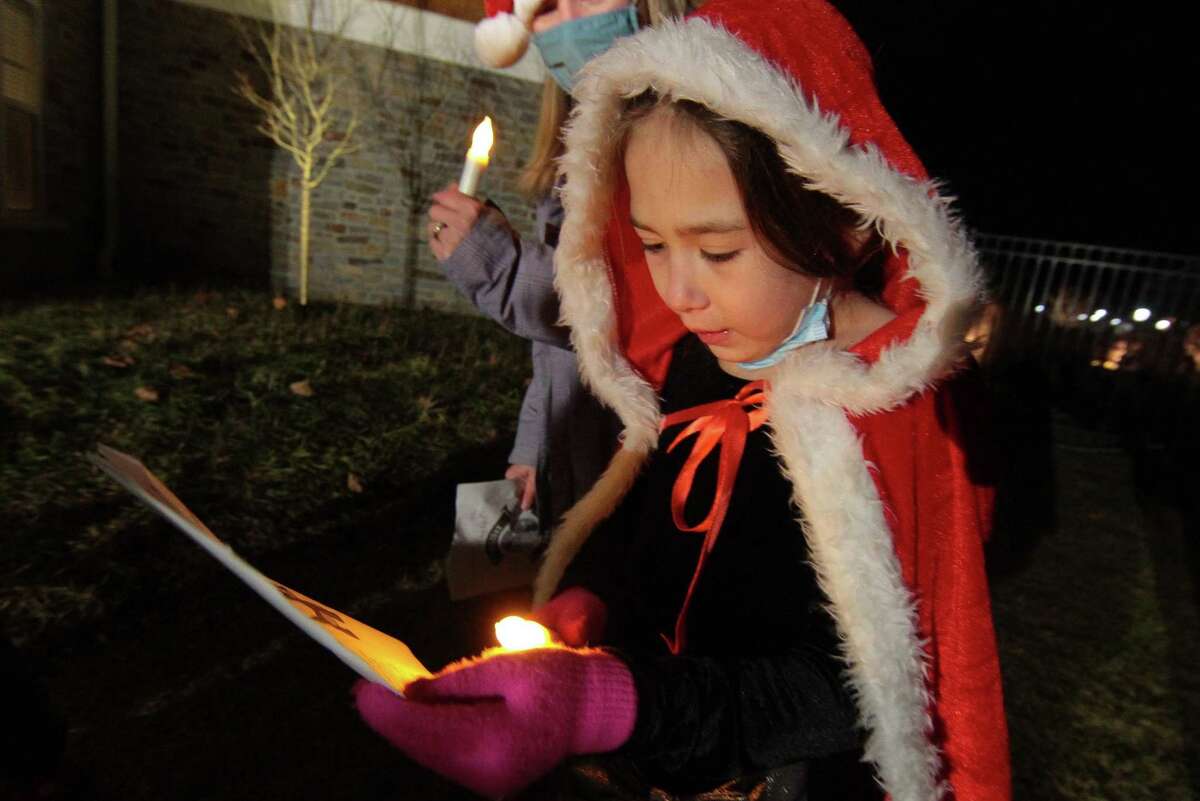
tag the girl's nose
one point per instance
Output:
(683, 294)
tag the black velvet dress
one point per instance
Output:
(758, 686)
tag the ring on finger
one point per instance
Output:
(438, 227)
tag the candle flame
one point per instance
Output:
(518, 634)
(481, 141)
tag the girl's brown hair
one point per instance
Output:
(540, 173)
(800, 228)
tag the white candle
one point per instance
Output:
(477, 157)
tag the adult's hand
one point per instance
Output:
(451, 217)
(498, 723)
(526, 477)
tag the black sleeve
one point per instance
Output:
(714, 719)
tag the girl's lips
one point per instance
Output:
(712, 337)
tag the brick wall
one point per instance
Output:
(72, 129)
(59, 244)
(205, 194)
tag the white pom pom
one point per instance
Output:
(526, 10)
(501, 40)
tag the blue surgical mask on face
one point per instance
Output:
(813, 326)
(566, 47)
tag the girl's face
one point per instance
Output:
(704, 258)
(556, 12)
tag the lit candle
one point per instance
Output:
(518, 634)
(477, 157)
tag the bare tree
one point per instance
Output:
(308, 110)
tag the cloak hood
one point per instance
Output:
(797, 72)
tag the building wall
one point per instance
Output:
(58, 243)
(204, 194)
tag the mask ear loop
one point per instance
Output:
(804, 313)
(816, 289)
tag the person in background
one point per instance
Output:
(564, 436)
(784, 560)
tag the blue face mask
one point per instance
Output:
(565, 48)
(813, 326)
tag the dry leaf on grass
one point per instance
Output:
(301, 388)
(280, 303)
(143, 331)
(232, 312)
(181, 371)
(146, 394)
(120, 360)
(353, 483)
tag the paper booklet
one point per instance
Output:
(371, 653)
(496, 544)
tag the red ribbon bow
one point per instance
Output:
(726, 423)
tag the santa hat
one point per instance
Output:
(502, 37)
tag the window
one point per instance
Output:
(20, 106)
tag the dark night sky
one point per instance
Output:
(1067, 120)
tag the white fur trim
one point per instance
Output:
(857, 567)
(581, 519)
(501, 40)
(603, 368)
(526, 10)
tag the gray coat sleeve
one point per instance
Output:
(530, 429)
(508, 278)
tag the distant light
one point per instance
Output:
(1115, 321)
(1041, 307)
(1162, 325)
(1141, 315)
(1098, 314)
(1081, 317)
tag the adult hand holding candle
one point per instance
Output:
(477, 157)
(455, 209)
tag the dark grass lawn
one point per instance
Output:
(1099, 634)
(345, 486)
(285, 425)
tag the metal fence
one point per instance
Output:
(1115, 332)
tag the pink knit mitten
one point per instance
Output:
(576, 615)
(497, 723)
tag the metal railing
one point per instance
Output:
(1116, 331)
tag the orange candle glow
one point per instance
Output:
(518, 634)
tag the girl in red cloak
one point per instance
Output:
(784, 560)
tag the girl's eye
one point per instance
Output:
(718, 258)
(655, 247)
